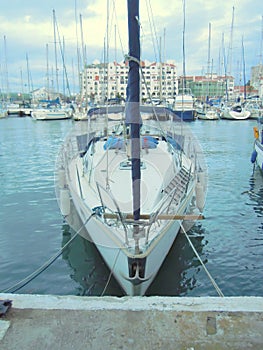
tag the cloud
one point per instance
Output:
(29, 29)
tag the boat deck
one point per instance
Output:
(155, 165)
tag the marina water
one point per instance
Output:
(229, 240)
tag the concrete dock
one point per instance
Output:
(71, 322)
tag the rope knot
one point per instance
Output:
(128, 58)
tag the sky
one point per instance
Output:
(27, 49)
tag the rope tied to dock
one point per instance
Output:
(110, 274)
(220, 293)
(49, 262)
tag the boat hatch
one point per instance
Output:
(237, 109)
(127, 164)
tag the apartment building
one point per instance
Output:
(256, 79)
(211, 85)
(159, 81)
(100, 81)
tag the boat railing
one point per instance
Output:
(117, 210)
(78, 139)
(166, 209)
(181, 142)
(164, 212)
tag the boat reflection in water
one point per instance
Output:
(177, 275)
(256, 192)
(89, 269)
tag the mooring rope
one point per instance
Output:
(49, 262)
(111, 273)
(220, 293)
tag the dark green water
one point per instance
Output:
(229, 240)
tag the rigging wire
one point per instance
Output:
(62, 52)
(41, 269)
(220, 293)
(184, 71)
(153, 29)
(112, 14)
(117, 26)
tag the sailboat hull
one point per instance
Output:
(118, 257)
(185, 115)
(50, 115)
(235, 112)
(259, 150)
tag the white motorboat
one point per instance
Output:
(209, 114)
(184, 105)
(51, 113)
(80, 115)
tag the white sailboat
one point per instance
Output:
(208, 113)
(132, 181)
(234, 112)
(51, 110)
(3, 112)
(50, 114)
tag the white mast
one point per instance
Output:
(6, 71)
(230, 51)
(48, 85)
(55, 46)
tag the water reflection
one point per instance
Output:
(256, 200)
(88, 268)
(256, 191)
(177, 275)
(179, 271)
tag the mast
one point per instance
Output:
(161, 68)
(48, 85)
(244, 69)
(260, 53)
(6, 71)
(22, 83)
(208, 61)
(229, 61)
(224, 63)
(28, 74)
(164, 64)
(62, 52)
(78, 54)
(84, 58)
(184, 72)
(133, 98)
(55, 46)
